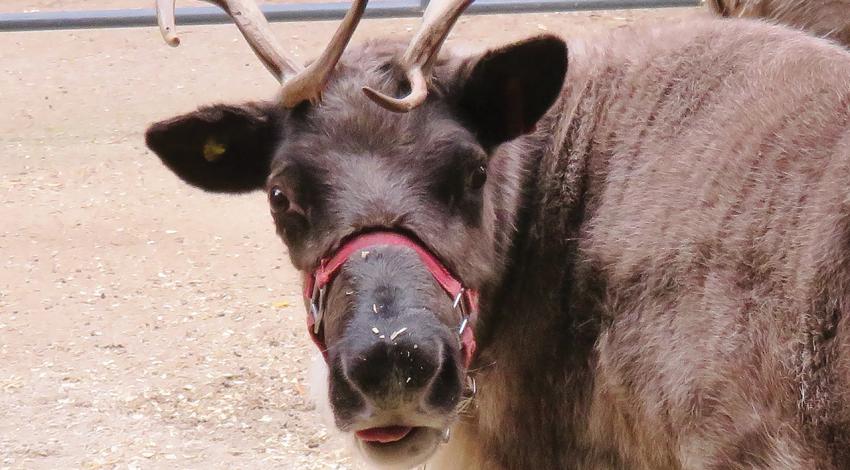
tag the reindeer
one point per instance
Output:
(825, 18)
(637, 258)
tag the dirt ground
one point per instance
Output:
(144, 324)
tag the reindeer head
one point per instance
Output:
(391, 207)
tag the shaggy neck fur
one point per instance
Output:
(533, 316)
(619, 335)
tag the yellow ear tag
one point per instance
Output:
(213, 150)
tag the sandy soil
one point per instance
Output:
(144, 324)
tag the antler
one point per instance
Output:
(419, 58)
(297, 83)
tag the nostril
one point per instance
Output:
(383, 367)
(368, 369)
(447, 387)
(345, 399)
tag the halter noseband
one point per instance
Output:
(316, 283)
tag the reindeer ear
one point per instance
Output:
(508, 89)
(219, 148)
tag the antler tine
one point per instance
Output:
(298, 84)
(165, 18)
(418, 60)
(308, 85)
(253, 25)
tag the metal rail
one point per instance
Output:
(304, 12)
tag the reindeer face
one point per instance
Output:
(346, 170)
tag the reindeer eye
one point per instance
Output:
(478, 177)
(278, 200)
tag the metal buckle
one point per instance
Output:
(317, 306)
(447, 435)
(464, 315)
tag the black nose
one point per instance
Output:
(395, 363)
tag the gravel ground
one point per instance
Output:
(144, 324)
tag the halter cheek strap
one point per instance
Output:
(316, 283)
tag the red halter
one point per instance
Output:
(315, 284)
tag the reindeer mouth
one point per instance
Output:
(398, 446)
(384, 435)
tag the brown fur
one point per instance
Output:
(664, 263)
(695, 183)
(826, 18)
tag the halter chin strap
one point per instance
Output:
(316, 283)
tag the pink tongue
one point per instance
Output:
(384, 435)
